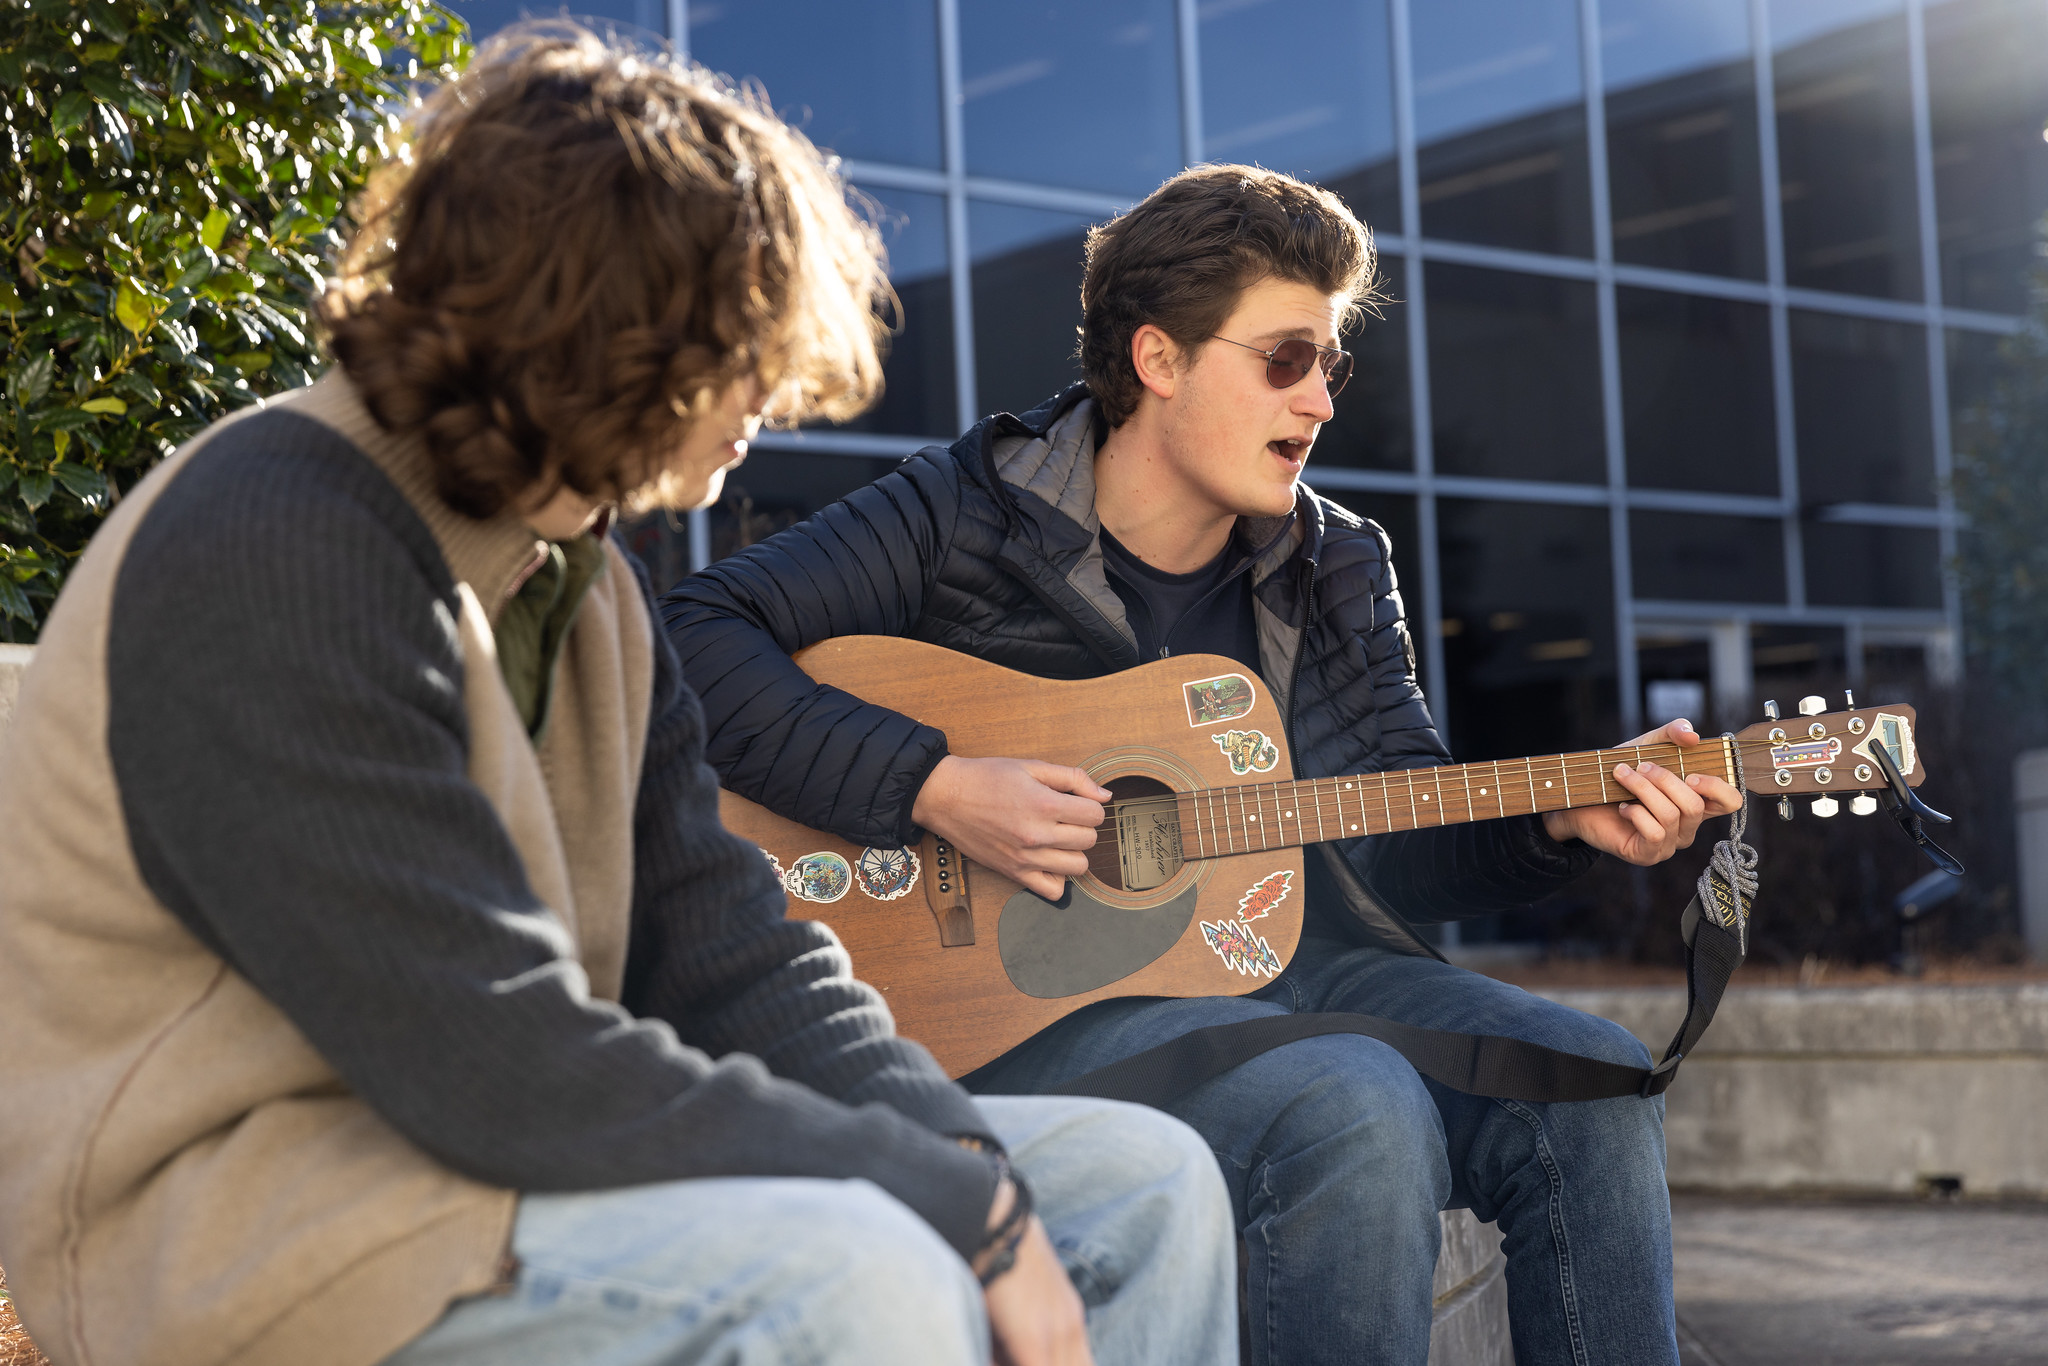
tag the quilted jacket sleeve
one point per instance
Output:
(863, 566)
(1442, 872)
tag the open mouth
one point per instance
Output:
(1290, 449)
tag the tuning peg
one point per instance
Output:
(1862, 804)
(1825, 807)
(1784, 808)
(1771, 709)
(1812, 706)
(1849, 698)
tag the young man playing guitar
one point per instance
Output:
(1157, 510)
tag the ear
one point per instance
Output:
(1156, 357)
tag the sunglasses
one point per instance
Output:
(1288, 363)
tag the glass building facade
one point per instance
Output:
(1687, 293)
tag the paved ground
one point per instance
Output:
(1780, 1283)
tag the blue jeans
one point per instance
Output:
(1338, 1156)
(761, 1271)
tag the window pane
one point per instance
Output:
(1061, 92)
(1987, 90)
(1528, 627)
(1681, 135)
(1974, 367)
(1514, 375)
(1374, 424)
(1500, 123)
(918, 397)
(1872, 566)
(1027, 303)
(1691, 557)
(777, 489)
(1845, 147)
(1859, 390)
(486, 17)
(862, 80)
(1323, 110)
(1696, 393)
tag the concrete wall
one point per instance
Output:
(1874, 1090)
(13, 659)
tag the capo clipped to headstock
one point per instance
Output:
(1909, 811)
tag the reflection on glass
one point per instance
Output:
(1373, 427)
(1872, 566)
(1681, 135)
(862, 80)
(1500, 123)
(1691, 557)
(1514, 375)
(1697, 411)
(1062, 92)
(1528, 626)
(919, 397)
(1859, 396)
(1027, 303)
(777, 489)
(1987, 94)
(1322, 110)
(1845, 146)
(486, 17)
(1781, 658)
(1975, 366)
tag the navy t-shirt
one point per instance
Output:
(1206, 612)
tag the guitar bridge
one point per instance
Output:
(945, 891)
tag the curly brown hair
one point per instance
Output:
(577, 250)
(1182, 258)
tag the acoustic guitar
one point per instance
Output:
(1194, 885)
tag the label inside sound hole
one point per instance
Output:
(1148, 841)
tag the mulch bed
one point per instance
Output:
(15, 1348)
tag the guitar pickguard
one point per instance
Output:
(1063, 948)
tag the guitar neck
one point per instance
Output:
(1238, 820)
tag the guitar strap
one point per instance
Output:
(1715, 926)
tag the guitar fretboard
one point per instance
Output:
(1238, 820)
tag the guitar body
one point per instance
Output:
(972, 964)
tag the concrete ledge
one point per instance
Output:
(13, 662)
(1871, 1090)
(1470, 1322)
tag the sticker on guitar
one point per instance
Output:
(1263, 895)
(886, 874)
(823, 876)
(1249, 751)
(1241, 950)
(1222, 698)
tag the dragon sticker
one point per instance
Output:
(1263, 895)
(1222, 698)
(886, 874)
(823, 876)
(1249, 751)
(1241, 950)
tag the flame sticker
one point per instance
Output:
(1263, 895)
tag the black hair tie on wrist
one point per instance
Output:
(1007, 1236)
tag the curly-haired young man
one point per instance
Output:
(1156, 510)
(375, 976)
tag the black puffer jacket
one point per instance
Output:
(992, 548)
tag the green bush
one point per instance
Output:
(174, 169)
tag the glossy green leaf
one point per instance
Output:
(35, 378)
(136, 310)
(14, 602)
(82, 481)
(34, 489)
(214, 228)
(104, 405)
(74, 110)
(249, 362)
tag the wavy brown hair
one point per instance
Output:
(573, 254)
(1182, 257)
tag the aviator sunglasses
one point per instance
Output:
(1288, 363)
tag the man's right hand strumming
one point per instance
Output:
(1032, 822)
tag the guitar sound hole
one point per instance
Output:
(1138, 847)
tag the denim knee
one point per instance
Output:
(1358, 1104)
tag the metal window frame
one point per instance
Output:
(1937, 629)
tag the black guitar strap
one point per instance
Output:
(1715, 926)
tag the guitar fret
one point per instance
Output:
(1437, 776)
(1529, 768)
(1320, 836)
(1465, 776)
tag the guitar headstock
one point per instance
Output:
(1826, 754)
